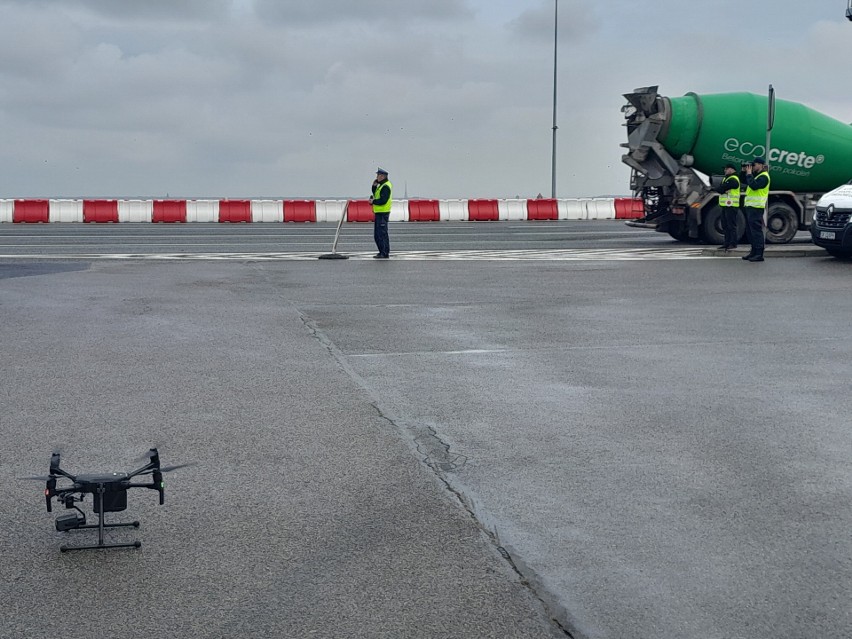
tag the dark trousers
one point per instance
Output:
(755, 229)
(729, 224)
(380, 233)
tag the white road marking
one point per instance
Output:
(560, 255)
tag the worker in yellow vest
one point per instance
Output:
(729, 202)
(382, 200)
(756, 199)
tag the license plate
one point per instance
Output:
(826, 235)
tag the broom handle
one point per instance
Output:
(339, 225)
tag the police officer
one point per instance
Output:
(756, 198)
(382, 199)
(729, 202)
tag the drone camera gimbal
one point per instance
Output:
(109, 492)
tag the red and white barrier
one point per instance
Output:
(178, 211)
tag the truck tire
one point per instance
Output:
(782, 224)
(711, 226)
(678, 231)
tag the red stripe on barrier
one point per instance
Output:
(100, 211)
(234, 211)
(629, 208)
(359, 211)
(31, 211)
(169, 211)
(424, 211)
(542, 209)
(300, 211)
(483, 210)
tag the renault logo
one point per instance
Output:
(829, 212)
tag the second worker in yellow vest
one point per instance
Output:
(756, 199)
(729, 202)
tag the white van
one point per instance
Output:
(832, 226)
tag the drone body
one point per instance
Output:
(109, 493)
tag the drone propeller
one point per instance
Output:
(168, 469)
(49, 488)
(153, 456)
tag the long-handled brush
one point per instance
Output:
(334, 255)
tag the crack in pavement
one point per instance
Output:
(437, 455)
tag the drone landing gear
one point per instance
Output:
(101, 526)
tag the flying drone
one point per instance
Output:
(109, 493)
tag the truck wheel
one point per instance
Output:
(782, 224)
(711, 226)
(677, 230)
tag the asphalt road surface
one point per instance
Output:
(53, 240)
(626, 439)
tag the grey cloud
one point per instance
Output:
(577, 19)
(324, 12)
(145, 9)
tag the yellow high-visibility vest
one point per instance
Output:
(731, 197)
(384, 208)
(757, 198)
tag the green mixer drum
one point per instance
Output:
(810, 151)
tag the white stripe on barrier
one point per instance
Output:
(399, 211)
(7, 211)
(330, 210)
(600, 209)
(267, 210)
(512, 209)
(571, 209)
(65, 211)
(202, 210)
(453, 210)
(135, 210)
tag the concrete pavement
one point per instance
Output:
(308, 513)
(771, 251)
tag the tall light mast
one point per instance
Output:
(555, 58)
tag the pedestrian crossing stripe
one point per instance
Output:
(512, 255)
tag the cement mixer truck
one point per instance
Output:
(677, 147)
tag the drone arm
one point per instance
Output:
(56, 470)
(156, 484)
(144, 469)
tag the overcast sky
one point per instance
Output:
(278, 98)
